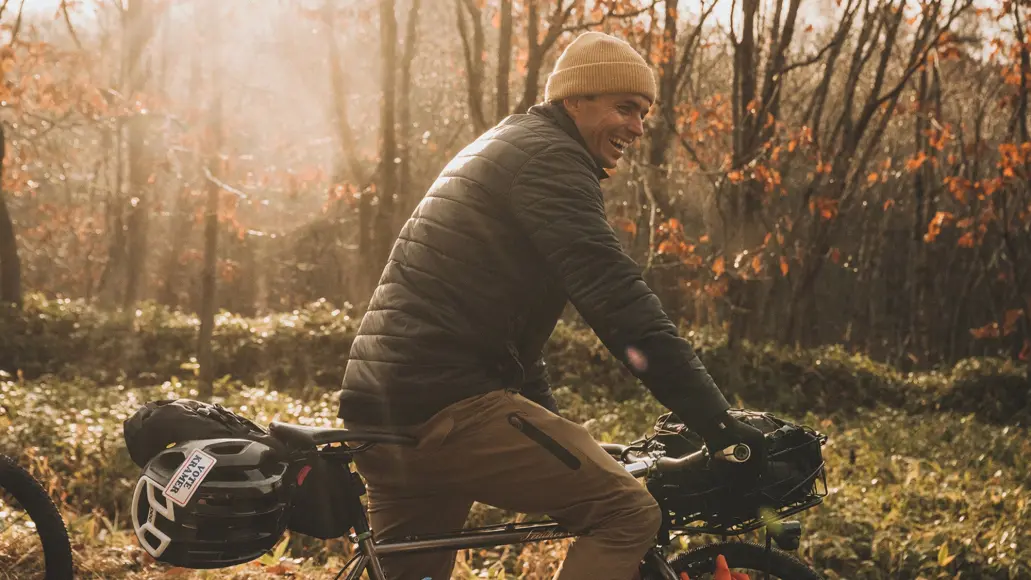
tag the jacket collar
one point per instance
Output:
(557, 114)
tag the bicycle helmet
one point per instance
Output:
(211, 503)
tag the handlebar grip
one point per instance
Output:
(668, 464)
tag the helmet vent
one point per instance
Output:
(228, 474)
(150, 538)
(228, 448)
(171, 460)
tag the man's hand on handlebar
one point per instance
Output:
(735, 447)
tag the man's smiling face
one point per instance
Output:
(609, 124)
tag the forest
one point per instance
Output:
(832, 199)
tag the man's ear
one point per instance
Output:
(572, 105)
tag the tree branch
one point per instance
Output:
(68, 23)
(689, 46)
(17, 24)
(809, 61)
(610, 15)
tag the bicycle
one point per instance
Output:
(29, 495)
(646, 458)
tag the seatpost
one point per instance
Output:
(362, 530)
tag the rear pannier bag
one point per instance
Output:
(323, 498)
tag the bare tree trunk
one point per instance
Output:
(205, 359)
(180, 218)
(744, 230)
(504, 61)
(359, 281)
(405, 196)
(921, 212)
(1018, 128)
(114, 266)
(656, 198)
(10, 265)
(388, 167)
(472, 49)
(138, 28)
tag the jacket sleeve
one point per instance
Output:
(557, 200)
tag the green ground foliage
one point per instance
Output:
(927, 472)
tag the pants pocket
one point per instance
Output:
(544, 440)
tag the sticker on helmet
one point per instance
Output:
(188, 478)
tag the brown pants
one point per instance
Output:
(503, 450)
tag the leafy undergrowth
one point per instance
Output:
(309, 346)
(929, 495)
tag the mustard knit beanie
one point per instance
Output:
(597, 63)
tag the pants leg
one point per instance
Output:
(395, 519)
(503, 450)
(402, 502)
(533, 461)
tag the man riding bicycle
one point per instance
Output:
(450, 347)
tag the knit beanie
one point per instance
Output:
(597, 63)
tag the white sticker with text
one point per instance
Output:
(189, 477)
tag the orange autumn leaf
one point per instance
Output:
(757, 264)
(916, 162)
(626, 225)
(935, 227)
(719, 267)
(888, 204)
(990, 330)
(704, 239)
(872, 178)
(1025, 353)
(990, 186)
(966, 240)
(784, 266)
(836, 256)
(828, 207)
(735, 177)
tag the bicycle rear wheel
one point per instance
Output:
(743, 557)
(29, 496)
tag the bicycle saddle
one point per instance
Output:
(306, 436)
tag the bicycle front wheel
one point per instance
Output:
(21, 490)
(742, 557)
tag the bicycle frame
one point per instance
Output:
(367, 558)
(369, 550)
(500, 535)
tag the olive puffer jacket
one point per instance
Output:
(512, 229)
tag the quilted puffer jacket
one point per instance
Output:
(512, 229)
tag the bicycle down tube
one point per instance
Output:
(486, 537)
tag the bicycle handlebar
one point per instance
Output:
(639, 466)
(644, 465)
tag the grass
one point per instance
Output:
(912, 495)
